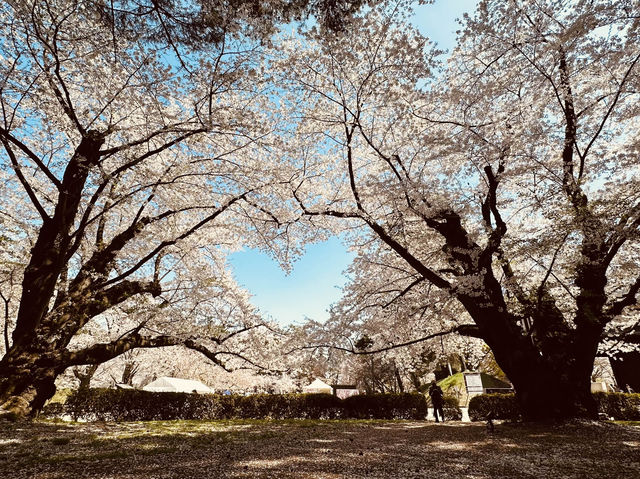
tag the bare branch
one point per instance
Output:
(464, 329)
(30, 154)
(25, 184)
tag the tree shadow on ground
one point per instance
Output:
(289, 449)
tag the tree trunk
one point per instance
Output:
(545, 394)
(49, 254)
(130, 370)
(85, 375)
(27, 380)
(398, 379)
(548, 387)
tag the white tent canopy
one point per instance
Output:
(318, 386)
(177, 385)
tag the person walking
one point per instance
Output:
(437, 400)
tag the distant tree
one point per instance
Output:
(84, 374)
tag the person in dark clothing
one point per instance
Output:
(437, 399)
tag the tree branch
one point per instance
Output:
(464, 329)
(184, 235)
(25, 184)
(629, 299)
(30, 154)
(102, 352)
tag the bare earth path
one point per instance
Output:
(316, 449)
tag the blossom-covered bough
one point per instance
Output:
(509, 180)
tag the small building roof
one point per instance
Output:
(493, 382)
(481, 383)
(318, 385)
(123, 386)
(177, 385)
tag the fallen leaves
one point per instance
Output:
(316, 449)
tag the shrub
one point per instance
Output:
(286, 406)
(132, 405)
(53, 409)
(386, 406)
(503, 406)
(452, 411)
(135, 405)
(620, 406)
(319, 406)
(451, 408)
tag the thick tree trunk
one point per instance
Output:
(49, 254)
(548, 387)
(27, 380)
(546, 394)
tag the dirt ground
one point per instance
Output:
(317, 449)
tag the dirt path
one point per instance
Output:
(316, 449)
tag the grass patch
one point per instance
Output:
(457, 381)
(627, 423)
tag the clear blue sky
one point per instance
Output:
(437, 21)
(315, 281)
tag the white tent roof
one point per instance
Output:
(123, 386)
(317, 386)
(177, 385)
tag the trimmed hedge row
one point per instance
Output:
(135, 405)
(452, 411)
(619, 406)
(503, 406)
(385, 406)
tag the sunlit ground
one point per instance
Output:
(317, 449)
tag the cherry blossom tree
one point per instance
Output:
(509, 181)
(385, 334)
(131, 161)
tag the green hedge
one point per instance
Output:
(503, 406)
(452, 411)
(385, 406)
(135, 405)
(619, 406)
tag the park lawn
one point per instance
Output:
(316, 449)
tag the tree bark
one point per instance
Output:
(49, 254)
(128, 373)
(396, 373)
(85, 375)
(550, 386)
(27, 379)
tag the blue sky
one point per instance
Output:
(315, 280)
